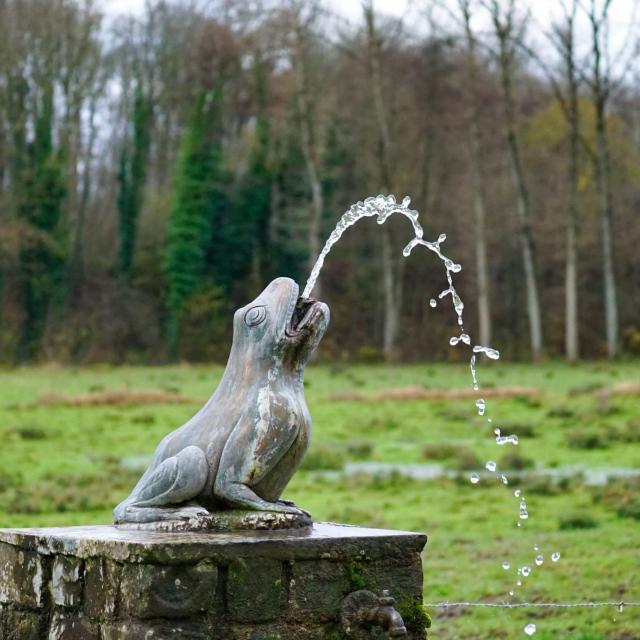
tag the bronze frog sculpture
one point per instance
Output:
(242, 448)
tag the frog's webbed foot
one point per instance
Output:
(289, 503)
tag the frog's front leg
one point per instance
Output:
(253, 451)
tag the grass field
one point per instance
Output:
(74, 440)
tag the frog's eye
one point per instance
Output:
(255, 316)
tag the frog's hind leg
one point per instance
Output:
(161, 494)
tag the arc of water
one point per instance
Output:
(383, 207)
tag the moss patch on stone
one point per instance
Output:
(356, 578)
(413, 613)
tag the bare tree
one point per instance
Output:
(508, 32)
(479, 196)
(600, 84)
(392, 270)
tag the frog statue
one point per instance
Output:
(228, 465)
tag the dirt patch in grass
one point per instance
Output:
(419, 393)
(624, 389)
(114, 397)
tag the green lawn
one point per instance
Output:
(71, 464)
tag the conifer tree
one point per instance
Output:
(131, 180)
(190, 225)
(40, 197)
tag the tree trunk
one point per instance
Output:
(309, 149)
(600, 89)
(572, 349)
(523, 202)
(479, 200)
(392, 270)
(606, 222)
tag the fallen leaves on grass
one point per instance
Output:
(623, 389)
(114, 397)
(420, 393)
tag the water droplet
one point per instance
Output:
(504, 479)
(497, 431)
(453, 341)
(517, 493)
(530, 629)
(519, 583)
(474, 478)
(489, 420)
(539, 560)
(433, 303)
(465, 338)
(406, 201)
(391, 199)
(491, 466)
(441, 238)
(511, 593)
(621, 607)
(526, 571)
(482, 405)
(493, 354)
(506, 565)
(536, 547)
(555, 556)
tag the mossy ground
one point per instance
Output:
(69, 465)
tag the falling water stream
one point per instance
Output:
(383, 207)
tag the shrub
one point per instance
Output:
(360, 449)
(30, 432)
(514, 461)
(324, 459)
(466, 459)
(522, 430)
(577, 520)
(560, 412)
(462, 457)
(588, 439)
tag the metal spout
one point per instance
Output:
(388, 618)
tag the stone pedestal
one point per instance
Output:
(104, 583)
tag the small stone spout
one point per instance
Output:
(362, 610)
(388, 617)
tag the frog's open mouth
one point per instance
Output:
(304, 312)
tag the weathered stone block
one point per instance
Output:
(177, 630)
(107, 583)
(101, 585)
(254, 589)
(71, 626)
(317, 589)
(156, 591)
(66, 584)
(405, 575)
(21, 577)
(21, 625)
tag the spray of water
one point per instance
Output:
(382, 207)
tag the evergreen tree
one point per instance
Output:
(196, 202)
(41, 193)
(131, 180)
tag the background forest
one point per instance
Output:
(157, 170)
